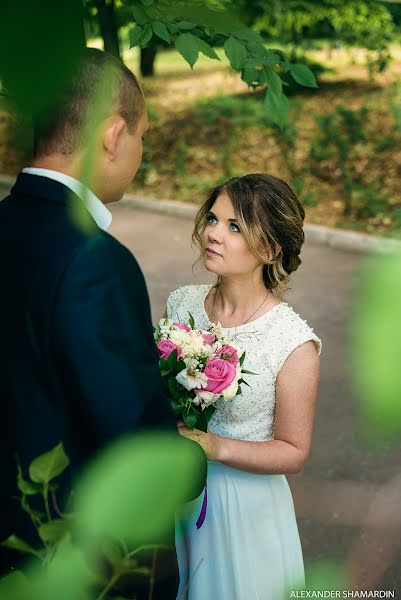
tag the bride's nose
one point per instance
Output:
(217, 233)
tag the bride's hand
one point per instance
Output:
(207, 440)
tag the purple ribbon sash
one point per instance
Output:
(202, 513)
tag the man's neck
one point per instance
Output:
(56, 162)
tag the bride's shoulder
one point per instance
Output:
(290, 327)
(185, 295)
(186, 291)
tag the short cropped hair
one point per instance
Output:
(60, 130)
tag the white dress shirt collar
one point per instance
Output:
(95, 207)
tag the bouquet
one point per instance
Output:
(198, 367)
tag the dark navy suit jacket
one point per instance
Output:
(78, 362)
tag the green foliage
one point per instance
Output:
(337, 136)
(375, 349)
(117, 507)
(181, 155)
(49, 465)
(240, 111)
(189, 29)
(119, 495)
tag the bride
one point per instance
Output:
(250, 233)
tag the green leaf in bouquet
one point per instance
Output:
(15, 543)
(165, 372)
(181, 365)
(172, 360)
(174, 388)
(49, 465)
(53, 531)
(191, 321)
(248, 372)
(241, 360)
(190, 419)
(204, 418)
(163, 363)
(239, 391)
(177, 406)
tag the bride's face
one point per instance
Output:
(225, 249)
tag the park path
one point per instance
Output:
(335, 488)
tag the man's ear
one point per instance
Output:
(112, 133)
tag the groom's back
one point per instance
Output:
(37, 242)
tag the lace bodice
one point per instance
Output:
(268, 341)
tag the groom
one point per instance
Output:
(78, 361)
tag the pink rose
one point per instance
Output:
(229, 354)
(220, 374)
(166, 347)
(209, 338)
(183, 326)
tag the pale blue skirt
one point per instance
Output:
(248, 547)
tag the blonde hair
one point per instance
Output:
(270, 215)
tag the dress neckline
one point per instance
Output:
(244, 325)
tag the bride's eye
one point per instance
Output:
(234, 227)
(211, 219)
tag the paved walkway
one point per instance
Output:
(334, 491)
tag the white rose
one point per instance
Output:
(231, 391)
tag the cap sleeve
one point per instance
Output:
(290, 332)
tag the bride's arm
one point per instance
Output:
(296, 393)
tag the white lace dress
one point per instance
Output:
(248, 547)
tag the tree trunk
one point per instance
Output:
(108, 27)
(148, 56)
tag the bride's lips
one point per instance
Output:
(210, 252)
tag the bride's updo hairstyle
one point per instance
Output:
(269, 215)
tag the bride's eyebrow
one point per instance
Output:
(211, 214)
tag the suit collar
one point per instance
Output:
(38, 186)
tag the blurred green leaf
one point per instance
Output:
(327, 574)
(160, 29)
(53, 531)
(66, 577)
(14, 586)
(147, 35)
(26, 487)
(132, 490)
(37, 91)
(15, 543)
(274, 81)
(277, 107)
(375, 348)
(235, 52)
(49, 465)
(135, 35)
(303, 75)
(186, 47)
